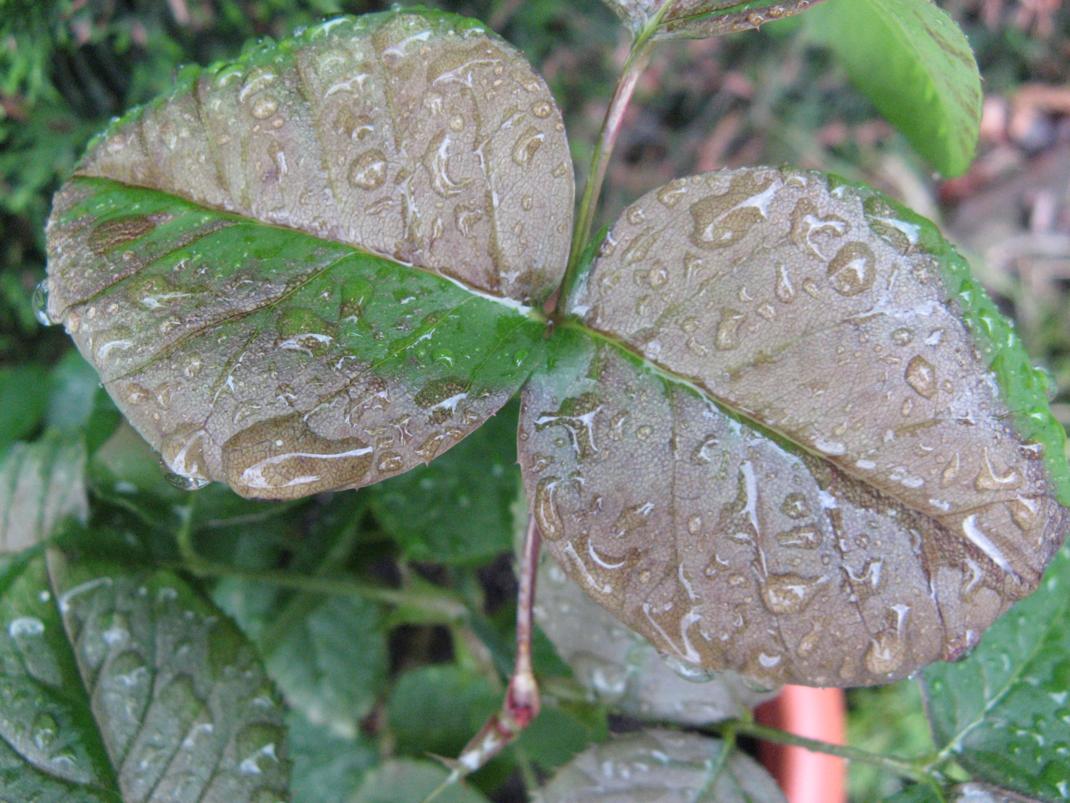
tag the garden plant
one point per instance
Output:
(768, 430)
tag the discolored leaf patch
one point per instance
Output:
(317, 266)
(787, 435)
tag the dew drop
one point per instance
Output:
(44, 731)
(40, 303)
(263, 106)
(527, 145)
(788, 593)
(853, 269)
(728, 329)
(542, 109)
(921, 376)
(368, 171)
(783, 288)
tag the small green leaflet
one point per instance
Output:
(914, 63)
(1004, 712)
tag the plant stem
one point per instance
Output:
(638, 58)
(441, 604)
(898, 766)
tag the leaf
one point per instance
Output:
(122, 685)
(23, 397)
(328, 654)
(76, 402)
(697, 19)
(332, 662)
(786, 434)
(660, 765)
(436, 709)
(326, 768)
(983, 793)
(916, 66)
(318, 266)
(457, 509)
(41, 485)
(1004, 712)
(623, 670)
(407, 779)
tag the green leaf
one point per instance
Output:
(320, 265)
(437, 709)
(457, 509)
(124, 685)
(76, 402)
(42, 484)
(1004, 712)
(406, 779)
(327, 768)
(697, 19)
(331, 663)
(783, 433)
(914, 63)
(662, 765)
(23, 397)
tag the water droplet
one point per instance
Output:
(853, 269)
(795, 506)
(389, 462)
(705, 451)
(1024, 512)
(990, 479)
(545, 509)
(783, 288)
(694, 524)
(902, 336)
(542, 109)
(40, 303)
(368, 171)
(802, 537)
(183, 454)
(921, 376)
(657, 276)
(263, 106)
(669, 195)
(44, 731)
(728, 329)
(788, 593)
(527, 145)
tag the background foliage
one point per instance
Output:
(389, 632)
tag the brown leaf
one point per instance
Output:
(772, 444)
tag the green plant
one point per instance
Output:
(330, 261)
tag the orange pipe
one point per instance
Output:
(807, 777)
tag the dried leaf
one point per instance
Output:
(789, 436)
(215, 255)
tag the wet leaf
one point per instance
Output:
(123, 685)
(331, 662)
(23, 400)
(41, 485)
(924, 78)
(312, 268)
(662, 766)
(436, 709)
(786, 434)
(457, 509)
(697, 19)
(623, 670)
(1004, 713)
(327, 768)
